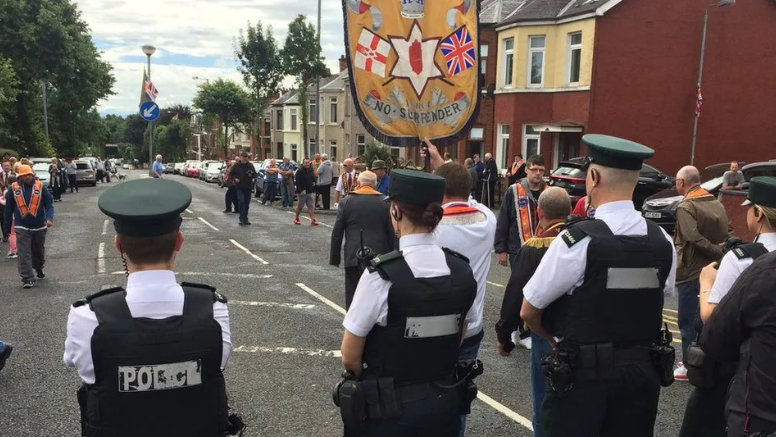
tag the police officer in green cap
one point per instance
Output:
(705, 412)
(405, 326)
(151, 357)
(597, 297)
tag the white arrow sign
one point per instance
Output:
(149, 112)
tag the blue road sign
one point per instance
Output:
(149, 111)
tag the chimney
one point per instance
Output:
(343, 63)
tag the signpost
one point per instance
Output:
(149, 111)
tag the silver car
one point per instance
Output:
(85, 173)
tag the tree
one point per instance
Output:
(227, 101)
(375, 151)
(260, 62)
(182, 111)
(8, 91)
(301, 58)
(173, 140)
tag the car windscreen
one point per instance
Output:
(40, 168)
(648, 171)
(712, 184)
(764, 170)
(83, 166)
(568, 171)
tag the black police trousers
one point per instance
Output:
(623, 406)
(705, 412)
(430, 417)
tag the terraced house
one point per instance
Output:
(630, 68)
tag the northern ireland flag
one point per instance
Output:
(371, 53)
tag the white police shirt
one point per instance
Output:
(563, 268)
(370, 302)
(472, 236)
(153, 294)
(730, 268)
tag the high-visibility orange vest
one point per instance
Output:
(32, 208)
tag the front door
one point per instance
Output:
(569, 145)
(475, 148)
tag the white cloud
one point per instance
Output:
(196, 28)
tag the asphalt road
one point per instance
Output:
(286, 312)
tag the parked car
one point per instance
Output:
(169, 168)
(213, 170)
(41, 170)
(202, 169)
(661, 207)
(571, 176)
(192, 170)
(85, 172)
(125, 166)
(178, 168)
(221, 174)
(261, 172)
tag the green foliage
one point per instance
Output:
(166, 117)
(375, 151)
(8, 91)
(173, 140)
(227, 101)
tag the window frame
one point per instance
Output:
(502, 149)
(531, 136)
(507, 64)
(280, 121)
(531, 51)
(360, 144)
(333, 110)
(310, 110)
(571, 47)
(483, 59)
(293, 119)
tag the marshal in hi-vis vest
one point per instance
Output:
(156, 377)
(25, 209)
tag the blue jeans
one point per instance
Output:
(688, 311)
(287, 191)
(539, 349)
(2, 347)
(270, 190)
(243, 201)
(467, 355)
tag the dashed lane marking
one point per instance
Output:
(101, 258)
(670, 310)
(244, 249)
(105, 227)
(480, 395)
(206, 222)
(296, 306)
(495, 284)
(189, 211)
(230, 275)
(308, 219)
(289, 351)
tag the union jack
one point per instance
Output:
(459, 52)
(698, 103)
(151, 90)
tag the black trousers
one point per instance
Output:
(431, 417)
(736, 422)
(72, 182)
(352, 276)
(705, 412)
(625, 406)
(230, 200)
(325, 192)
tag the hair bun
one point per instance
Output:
(432, 215)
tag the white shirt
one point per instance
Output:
(340, 188)
(370, 302)
(563, 268)
(730, 268)
(472, 236)
(153, 294)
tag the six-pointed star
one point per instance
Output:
(416, 58)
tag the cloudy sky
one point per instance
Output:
(193, 38)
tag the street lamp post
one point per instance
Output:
(149, 51)
(318, 99)
(719, 4)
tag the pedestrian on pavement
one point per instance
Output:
(155, 327)
(55, 183)
(702, 227)
(30, 206)
(5, 352)
(733, 179)
(516, 171)
(336, 170)
(469, 163)
(489, 176)
(3, 188)
(9, 234)
(157, 169)
(305, 190)
(383, 178)
(243, 173)
(601, 291)
(479, 166)
(101, 170)
(705, 412)
(467, 228)
(554, 208)
(402, 360)
(108, 169)
(270, 183)
(362, 218)
(286, 170)
(230, 198)
(347, 181)
(325, 177)
(71, 170)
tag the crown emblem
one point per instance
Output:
(413, 9)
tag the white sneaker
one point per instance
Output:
(526, 343)
(680, 373)
(514, 337)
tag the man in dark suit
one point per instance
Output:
(363, 210)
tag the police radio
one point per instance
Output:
(365, 254)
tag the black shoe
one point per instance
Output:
(226, 211)
(4, 356)
(27, 284)
(242, 223)
(247, 223)
(40, 274)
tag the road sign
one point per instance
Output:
(149, 111)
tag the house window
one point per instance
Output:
(333, 110)
(395, 153)
(536, 46)
(293, 119)
(483, 59)
(531, 142)
(332, 148)
(294, 156)
(266, 127)
(574, 58)
(502, 152)
(279, 120)
(361, 144)
(313, 111)
(508, 61)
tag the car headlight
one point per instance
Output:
(664, 202)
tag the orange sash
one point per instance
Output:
(698, 193)
(459, 210)
(367, 190)
(525, 216)
(347, 187)
(32, 209)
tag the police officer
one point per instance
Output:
(733, 315)
(406, 323)
(151, 357)
(604, 306)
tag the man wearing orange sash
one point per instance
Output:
(31, 207)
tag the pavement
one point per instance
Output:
(286, 306)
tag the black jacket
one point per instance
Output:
(356, 212)
(245, 173)
(305, 179)
(507, 234)
(490, 174)
(743, 327)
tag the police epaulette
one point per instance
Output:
(390, 256)
(751, 250)
(455, 254)
(217, 297)
(91, 297)
(572, 235)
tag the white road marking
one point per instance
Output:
(189, 211)
(231, 275)
(244, 249)
(308, 219)
(101, 258)
(289, 351)
(105, 227)
(205, 222)
(482, 396)
(333, 305)
(495, 284)
(670, 310)
(296, 306)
